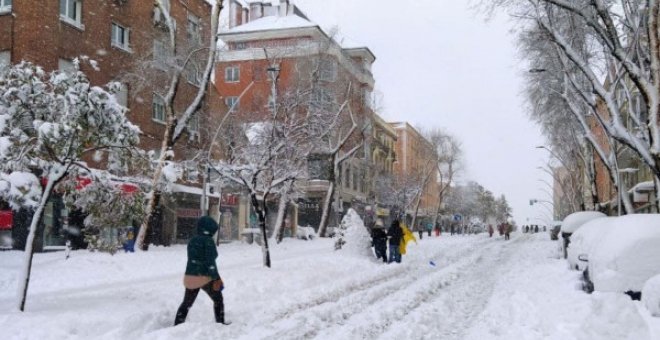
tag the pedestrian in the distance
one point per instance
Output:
(420, 231)
(379, 240)
(536, 229)
(395, 234)
(437, 230)
(490, 230)
(507, 231)
(451, 230)
(202, 272)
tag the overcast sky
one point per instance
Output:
(439, 63)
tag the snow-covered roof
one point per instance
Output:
(644, 186)
(273, 23)
(575, 220)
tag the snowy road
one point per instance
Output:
(313, 292)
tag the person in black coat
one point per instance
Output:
(379, 241)
(202, 272)
(395, 234)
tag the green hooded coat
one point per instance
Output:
(202, 251)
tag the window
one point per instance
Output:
(232, 102)
(194, 30)
(5, 58)
(327, 70)
(120, 35)
(158, 109)
(5, 6)
(240, 45)
(71, 12)
(356, 179)
(232, 74)
(321, 98)
(66, 66)
(193, 123)
(161, 54)
(193, 74)
(122, 95)
(347, 180)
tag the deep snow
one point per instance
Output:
(479, 288)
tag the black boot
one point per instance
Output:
(181, 315)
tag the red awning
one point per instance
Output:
(127, 188)
(6, 219)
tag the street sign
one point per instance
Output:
(458, 217)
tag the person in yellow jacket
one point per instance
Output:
(407, 237)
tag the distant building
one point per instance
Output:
(413, 161)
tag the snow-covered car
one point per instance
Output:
(477, 228)
(305, 233)
(573, 222)
(626, 256)
(585, 239)
(651, 295)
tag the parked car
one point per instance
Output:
(477, 228)
(572, 223)
(585, 239)
(626, 256)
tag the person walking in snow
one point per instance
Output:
(379, 240)
(507, 231)
(420, 230)
(395, 234)
(202, 272)
(437, 229)
(490, 230)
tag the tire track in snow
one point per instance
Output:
(450, 314)
(306, 319)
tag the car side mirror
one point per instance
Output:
(583, 257)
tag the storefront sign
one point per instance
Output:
(230, 200)
(189, 213)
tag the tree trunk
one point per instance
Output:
(278, 231)
(24, 278)
(327, 207)
(262, 210)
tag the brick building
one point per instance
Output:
(414, 159)
(276, 36)
(128, 41)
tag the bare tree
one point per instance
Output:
(448, 154)
(176, 121)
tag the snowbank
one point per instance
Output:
(628, 255)
(585, 239)
(575, 220)
(356, 237)
(651, 295)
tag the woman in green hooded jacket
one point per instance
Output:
(202, 272)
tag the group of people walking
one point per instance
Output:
(380, 241)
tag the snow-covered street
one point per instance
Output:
(479, 288)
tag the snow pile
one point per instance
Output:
(534, 298)
(575, 220)
(628, 255)
(651, 295)
(585, 239)
(353, 235)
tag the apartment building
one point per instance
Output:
(274, 44)
(128, 41)
(414, 160)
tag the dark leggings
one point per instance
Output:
(189, 299)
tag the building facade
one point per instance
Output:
(273, 47)
(127, 40)
(415, 160)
